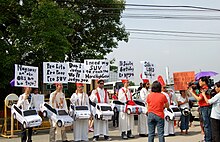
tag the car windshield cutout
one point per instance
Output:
(106, 108)
(175, 109)
(62, 112)
(82, 108)
(30, 112)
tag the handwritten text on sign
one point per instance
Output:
(125, 70)
(26, 76)
(55, 72)
(96, 69)
(148, 70)
(76, 73)
(181, 79)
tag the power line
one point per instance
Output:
(165, 39)
(166, 31)
(176, 35)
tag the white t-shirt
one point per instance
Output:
(215, 101)
(181, 99)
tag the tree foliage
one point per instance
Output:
(35, 31)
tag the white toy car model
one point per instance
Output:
(59, 116)
(79, 112)
(28, 118)
(103, 111)
(172, 113)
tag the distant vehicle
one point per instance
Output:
(172, 113)
(79, 112)
(103, 111)
(111, 87)
(59, 116)
(28, 118)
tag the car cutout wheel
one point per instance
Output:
(45, 113)
(24, 125)
(167, 118)
(59, 123)
(129, 111)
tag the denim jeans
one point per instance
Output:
(206, 111)
(184, 125)
(153, 121)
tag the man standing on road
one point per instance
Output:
(58, 101)
(142, 118)
(99, 95)
(126, 121)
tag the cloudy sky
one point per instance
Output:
(182, 38)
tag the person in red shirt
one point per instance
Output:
(205, 108)
(156, 102)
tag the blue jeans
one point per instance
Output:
(206, 111)
(153, 121)
(184, 125)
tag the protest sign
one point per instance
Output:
(76, 73)
(148, 70)
(26, 76)
(55, 72)
(125, 70)
(96, 69)
(181, 79)
(37, 100)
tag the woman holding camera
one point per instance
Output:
(183, 102)
(215, 114)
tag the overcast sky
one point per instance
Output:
(179, 51)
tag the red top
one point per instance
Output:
(203, 103)
(114, 97)
(156, 102)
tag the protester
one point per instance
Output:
(205, 108)
(183, 102)
(79, 98)
(140, 87)
(91, 121)
(156, 102)
(57, 100)
(142, 118)
(126, 121)
(116, 113)
(24, 104)
(99, 95)
(215, 113)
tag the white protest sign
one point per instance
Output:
(76, 73)
(55, 72)
(96, 69)
(148, 70)
(125, 70)
(26, 76)
(37, 100)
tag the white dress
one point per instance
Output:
(126, 122)
(168, 126)
(80, 127)
(142, 118)
(100, 126)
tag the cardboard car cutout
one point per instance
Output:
(172, 113)
(59, 117)
(103, 111)
(28, 118)
(79, 112)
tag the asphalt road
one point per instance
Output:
(193, 136)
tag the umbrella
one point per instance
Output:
(12, 82)
(205, 73)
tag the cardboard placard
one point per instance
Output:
(37, 100)
(148, 70)
(26, 76)
(96, 69)
(76, 73)
(125, 70)
(55, 72)
(181, 79)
